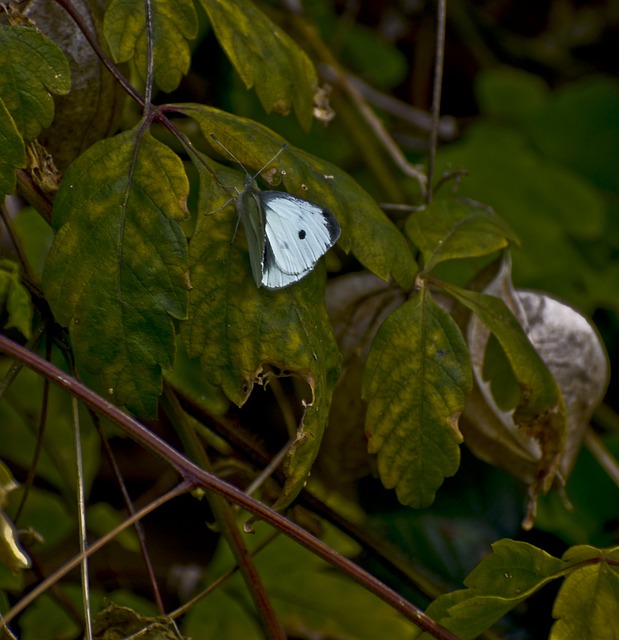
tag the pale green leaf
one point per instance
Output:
(265, 57)
(174, 22)
(19, 431)
(11, 553)
(587, 605)
(416, 378)
(502, 580)
(450, 229)
(13, 151)
(366, 231)
(236, 329)
(14, 298)
(115, 273)
(32, 67)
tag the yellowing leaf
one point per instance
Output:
(366, 231)
(173, 23)
(236, 328)
(416, 378)
(32, 67)
(115, 273)
(265, 57)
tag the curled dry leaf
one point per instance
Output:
(357, 305)
(572, 350)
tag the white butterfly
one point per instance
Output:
(286, 235)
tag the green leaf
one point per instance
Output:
(102, 518)
(366, 231)
(173, 23)
(578, 128)
(19, 431)
(32, 67)
(587, 605)
(265, 56)
(416, 378)
(315, 602)
(502, 580)
(540, 411)
(550, 208)
(115, 273)
(506, 92)
(236, 328)
(449, 229)
(14, 298)
(13, 151)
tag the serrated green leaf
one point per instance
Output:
(587, 605)
(13, 151)
(500, 581)
(32, 67)
(366, 231)
(450, 229)
(416, 378)
(173, 23)
(514, 570)
(14, 298)
(115, 273)
(265, 57)
(236, 328)
(541, 410)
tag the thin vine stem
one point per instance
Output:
(441, 16)
(194, 477)
(225, 518)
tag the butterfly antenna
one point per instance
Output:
(221, 144)
(240, 163)
(271, 160)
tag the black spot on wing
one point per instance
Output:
(302, 234)
(332, 225)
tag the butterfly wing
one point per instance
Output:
(298, 233)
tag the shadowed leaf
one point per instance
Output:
(114, 274)
(265, 57)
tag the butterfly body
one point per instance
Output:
(286, 235)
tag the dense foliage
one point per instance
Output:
(184, 454)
